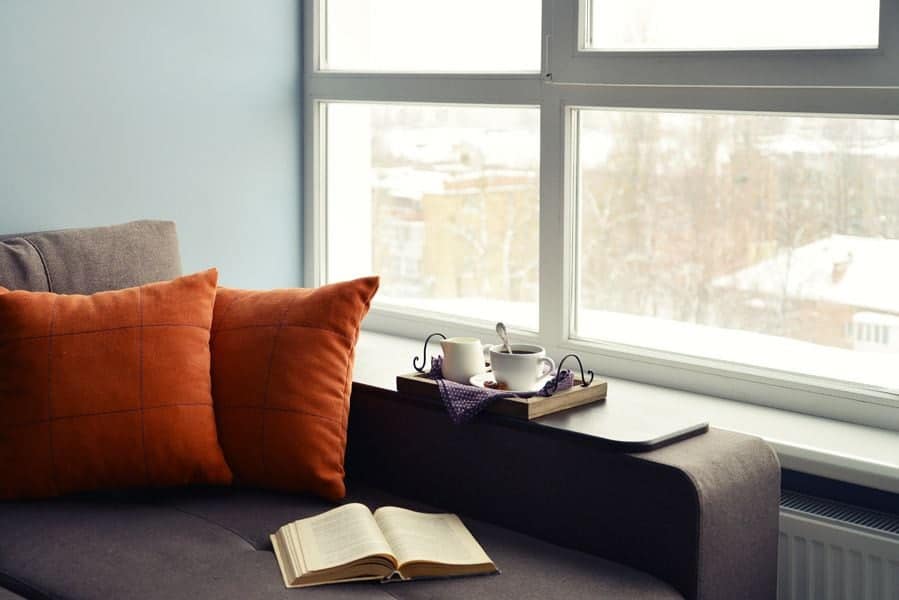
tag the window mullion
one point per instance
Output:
(555, 266)
(468, 89)
(314, 182)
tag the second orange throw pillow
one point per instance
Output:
(282, 364)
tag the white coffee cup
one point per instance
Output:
(463, 357)
(523, 368)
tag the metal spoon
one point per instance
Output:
(504, 336)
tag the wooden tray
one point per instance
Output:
(420, 385)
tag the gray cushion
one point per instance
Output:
(5, 594)
(197, 544)
(84, 261)
(117, 548)
(687, 513)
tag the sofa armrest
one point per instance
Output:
(701, 514)
(736, 480)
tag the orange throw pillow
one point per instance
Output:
(107, 391)
(282, 365)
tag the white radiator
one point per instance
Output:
(833, 551)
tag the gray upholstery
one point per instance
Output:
(84, 261)
(561, 516)
(701, 514)
(736, 481)
(214, 544)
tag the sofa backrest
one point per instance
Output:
(84, 261)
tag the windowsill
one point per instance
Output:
(836, 450)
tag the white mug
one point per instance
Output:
(463, 357)
(523, 368)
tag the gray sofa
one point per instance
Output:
(561, 516)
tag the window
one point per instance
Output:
(699, 194)
(750, 238)
(441, 202)
(417, 36)
(647, 25)
(877, 327)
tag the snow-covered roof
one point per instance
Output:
(867, 275)
(514, 147)
(446, 179)
(410, 182)
(796, 143)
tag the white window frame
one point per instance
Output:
(854, 82)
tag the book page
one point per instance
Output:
(439, 538)
(338, 537)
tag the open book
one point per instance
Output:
(350, 543)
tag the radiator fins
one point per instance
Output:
(837, 511)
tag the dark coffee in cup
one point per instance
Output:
(523, 368)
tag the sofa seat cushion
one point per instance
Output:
(89, 549)
(213, 543)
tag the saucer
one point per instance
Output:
(482, 379)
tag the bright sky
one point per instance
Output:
(417, 35)
(504, 35)
(735, 24)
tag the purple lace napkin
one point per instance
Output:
(464, 402)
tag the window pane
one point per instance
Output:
(441, 202)
(757, 239)
(428, 36)
(732, 25)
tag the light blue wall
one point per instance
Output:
(186, 110)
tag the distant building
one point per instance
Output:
(453, 231)
(840, 283)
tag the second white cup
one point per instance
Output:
(523, 368)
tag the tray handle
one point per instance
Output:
(424, 354)
(584, 381)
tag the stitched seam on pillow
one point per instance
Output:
(268, 382)
(281, 409)
(215, 330)
(268, 378)
(289, 325)
(40, 255)
(103, 413)
(50, 394)
(105, 330)
(143, 435)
